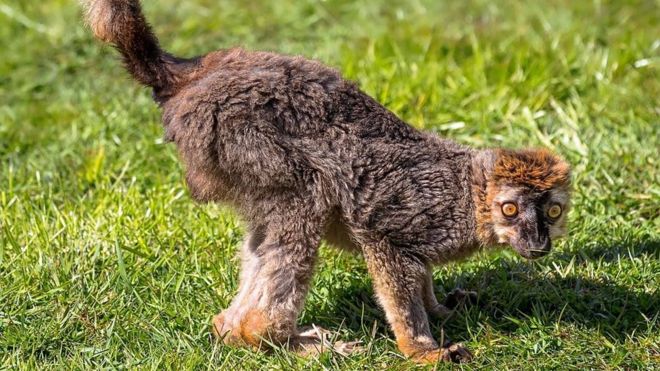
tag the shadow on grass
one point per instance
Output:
(512, 295)
(621, 250)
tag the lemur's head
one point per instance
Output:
(523, 200)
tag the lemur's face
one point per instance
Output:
(529, 220)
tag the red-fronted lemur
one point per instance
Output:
(304, 155)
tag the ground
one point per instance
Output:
(105, 262)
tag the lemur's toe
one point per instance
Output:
(456, 353)
(222, 330)
(452, 352)
(314, 340)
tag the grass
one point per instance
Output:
(105, 262)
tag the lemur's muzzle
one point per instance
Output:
(533, 241)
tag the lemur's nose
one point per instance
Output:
(540, 246)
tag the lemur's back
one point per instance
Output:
(297, 96)
(257, 128)
(277, 124)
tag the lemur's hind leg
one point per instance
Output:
(227, 324)
(277, 265)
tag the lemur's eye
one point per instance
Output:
(509, 209)
(554, 211)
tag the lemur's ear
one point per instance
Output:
(536, 168)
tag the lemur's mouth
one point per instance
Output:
(535, 254)
(532, 250)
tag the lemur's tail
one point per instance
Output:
(122, 24)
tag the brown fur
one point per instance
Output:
(303, 154)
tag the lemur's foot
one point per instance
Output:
(223, 330)
(458, 297)
(439, 311)
(314, 340)
(455, 299)
(249, 330)
(452, 352)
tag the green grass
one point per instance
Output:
(105, 262)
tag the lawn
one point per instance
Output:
(105, 262)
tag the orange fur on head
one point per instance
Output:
(536, 168)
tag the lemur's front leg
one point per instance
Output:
(433, 307)
(399, 283)
(454, 299)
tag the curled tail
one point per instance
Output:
(122, 24)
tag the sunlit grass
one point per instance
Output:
(106, 262)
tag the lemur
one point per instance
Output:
(304, 155)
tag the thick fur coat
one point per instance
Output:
(304, 155)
